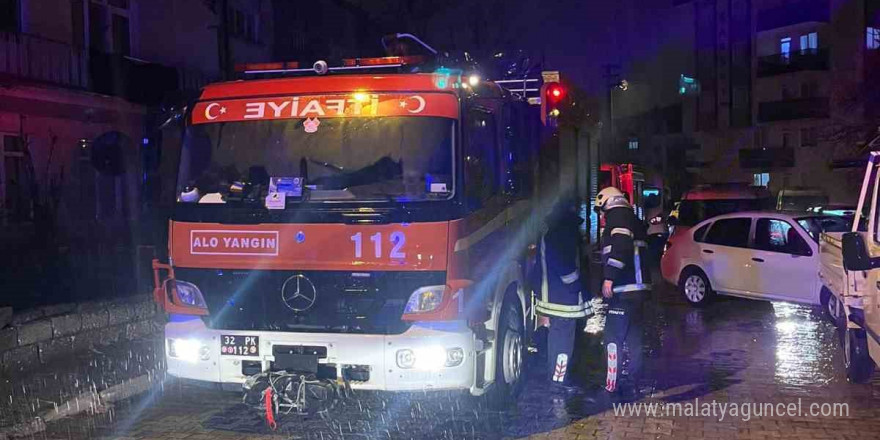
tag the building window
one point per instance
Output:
(786, 140)
(809, 137)
(9, 15)
(809, 89)
(761, 179)
(15, 203)
(873, 40)
(243, 25)
(785, 49)
(809, 42)
(633, 144)
(109, 29)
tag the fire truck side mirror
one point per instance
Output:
(855, 253)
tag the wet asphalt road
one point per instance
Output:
(733, 351)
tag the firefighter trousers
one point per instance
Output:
(623, 329)
(560, 347)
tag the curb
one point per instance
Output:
(90, 401)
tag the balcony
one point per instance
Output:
(766, 158)
(804, 11)
(33, 59)
(810, 59)
(43, 61)
(791, 109)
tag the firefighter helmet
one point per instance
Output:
(610, 197)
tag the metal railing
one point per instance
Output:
(43, 60)
(806, 59)
(790, 109)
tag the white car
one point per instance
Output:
(759, 255)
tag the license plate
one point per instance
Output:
(238, 345)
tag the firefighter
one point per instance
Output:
(625, 282)
(560, 297)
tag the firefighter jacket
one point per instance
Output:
(624, 251)
(560, 294)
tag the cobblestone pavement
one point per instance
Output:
(732, 352)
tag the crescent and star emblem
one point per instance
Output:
(210, 107)
(420, 104)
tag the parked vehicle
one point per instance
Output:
(840, 210)
(758, 255)
(800, 199)
(850, 277)
(707, 201)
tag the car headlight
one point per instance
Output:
(189, 294)
(425, 299)
(188, 350)
(429, 358)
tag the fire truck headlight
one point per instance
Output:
(189, 294)
(429, 358)
(188, 350)
(425, 299)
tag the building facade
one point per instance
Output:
(770, 92)
(81, 80)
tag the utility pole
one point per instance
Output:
(223, 53)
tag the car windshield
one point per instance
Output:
(359, 158)
(815, 226)
(691, 212)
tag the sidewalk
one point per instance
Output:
(81, 384)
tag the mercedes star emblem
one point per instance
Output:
(298, 293)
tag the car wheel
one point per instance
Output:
(859, 365)
(510, 357)
(695, 287)
(829, 305)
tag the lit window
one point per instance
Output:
(809, 42)
(785, 48)
(633, 144)
(761, 179)
(873, 38)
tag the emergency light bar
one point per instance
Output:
(321, 68)
(383, 61)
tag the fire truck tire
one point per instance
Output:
(859, 366)
(510, 358)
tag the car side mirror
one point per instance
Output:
(855, 252)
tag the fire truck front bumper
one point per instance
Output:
(428, 356)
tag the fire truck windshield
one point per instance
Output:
(395, 158)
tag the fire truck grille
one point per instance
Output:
(310, 301)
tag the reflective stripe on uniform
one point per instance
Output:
(580, 310)
(622, 231)
(606, 250)
(631, 288)
(572, 277)
(616, 263)
(640, 243)
(637, 261)
(545, 287)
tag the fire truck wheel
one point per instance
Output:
(510, 357)
(859, 365)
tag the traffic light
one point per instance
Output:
(552, 94)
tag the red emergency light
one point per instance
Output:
(383, 61)
(245, 67)
(555, 92)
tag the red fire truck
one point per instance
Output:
(357, 224)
